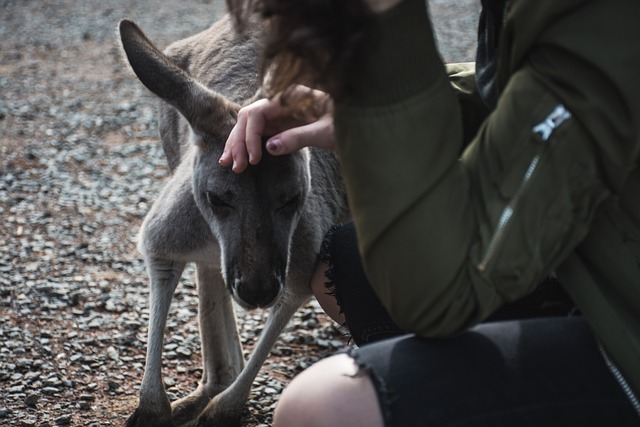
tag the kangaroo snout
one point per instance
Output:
(255, 253)
(257, 294)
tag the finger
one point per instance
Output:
(236, 134)
(317, 134)
(234, 152)
(255, 128)
(239, 154)
(237, 148)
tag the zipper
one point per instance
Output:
(544, 129)
(626, 388)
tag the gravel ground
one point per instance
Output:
(80, 165)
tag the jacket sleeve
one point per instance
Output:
(399, 137)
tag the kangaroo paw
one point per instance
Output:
(221, 412)
(220, 420)
(142, 418)
(186, 410)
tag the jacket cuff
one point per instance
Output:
(399, 59)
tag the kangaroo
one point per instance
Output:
(253, 236)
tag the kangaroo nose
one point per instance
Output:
(258, 296)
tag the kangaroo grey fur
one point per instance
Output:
(253, 236)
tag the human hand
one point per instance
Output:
(287, 129)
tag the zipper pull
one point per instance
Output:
(558, 116)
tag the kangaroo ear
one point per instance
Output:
(205, 110)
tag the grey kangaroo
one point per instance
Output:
(253, 236)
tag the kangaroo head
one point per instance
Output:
(252, 215)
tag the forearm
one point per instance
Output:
(399, 104)
(399, 137)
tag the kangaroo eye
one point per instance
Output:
(290, 203)
(216, 201)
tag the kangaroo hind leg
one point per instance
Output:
(221, 351)
(154, 408)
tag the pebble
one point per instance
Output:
(31, 400)
(29, 421)
(63, 420)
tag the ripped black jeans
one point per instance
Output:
(534, 362)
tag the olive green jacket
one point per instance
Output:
(421, 226)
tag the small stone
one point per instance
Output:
(16, 389)
(63, 420)
(113, 353)
(311, 323)
(52, 382)
(183, 351)
(31, 400)
(29, 421)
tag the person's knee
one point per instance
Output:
(329, 394)
(319, 280)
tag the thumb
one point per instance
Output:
(317, 134)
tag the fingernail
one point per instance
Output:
(274, 145)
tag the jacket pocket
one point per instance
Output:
(515, 184)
